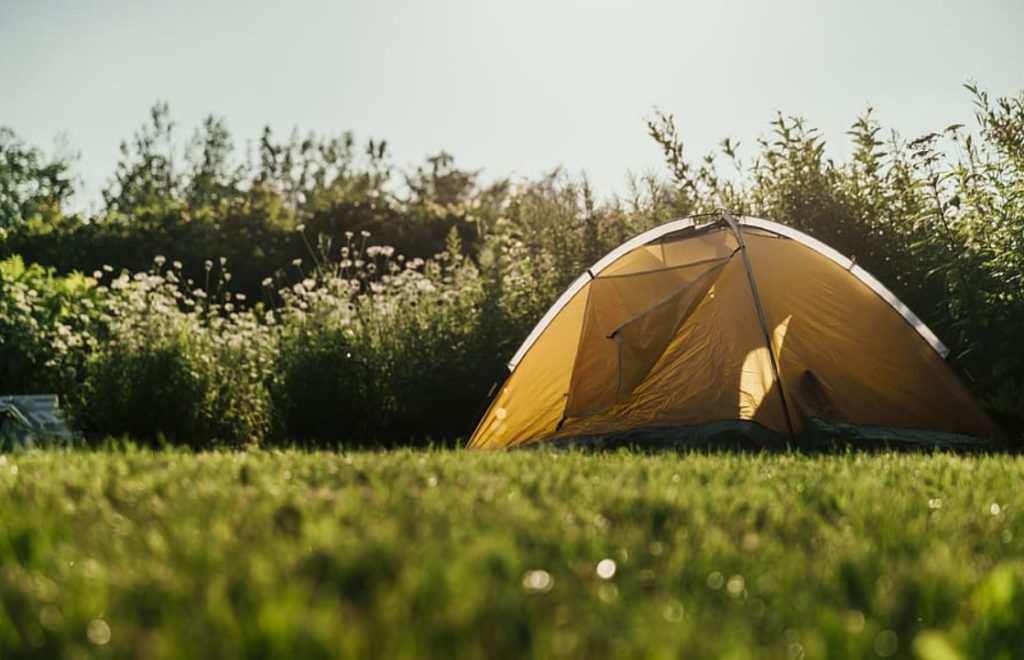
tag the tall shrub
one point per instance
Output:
(176, 365)
(379, 350)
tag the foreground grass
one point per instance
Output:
(486, 555)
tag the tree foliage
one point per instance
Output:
(33, 188)
(314, 237)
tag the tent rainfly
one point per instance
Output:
(741, 324)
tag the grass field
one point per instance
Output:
(459, 554)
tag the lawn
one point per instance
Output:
(540, 554)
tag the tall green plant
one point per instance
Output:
(176, 364)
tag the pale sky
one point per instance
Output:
(515, 88)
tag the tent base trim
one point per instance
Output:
(744, 435)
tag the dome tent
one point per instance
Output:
(733, 326)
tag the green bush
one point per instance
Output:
(46, 327)
(174, 366)
(358, 343)
(379, 350)
(938, 219)
(204, 203)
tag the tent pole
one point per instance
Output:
(727, 216)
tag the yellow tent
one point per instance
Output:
(736, 319)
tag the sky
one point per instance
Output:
(511, 88)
